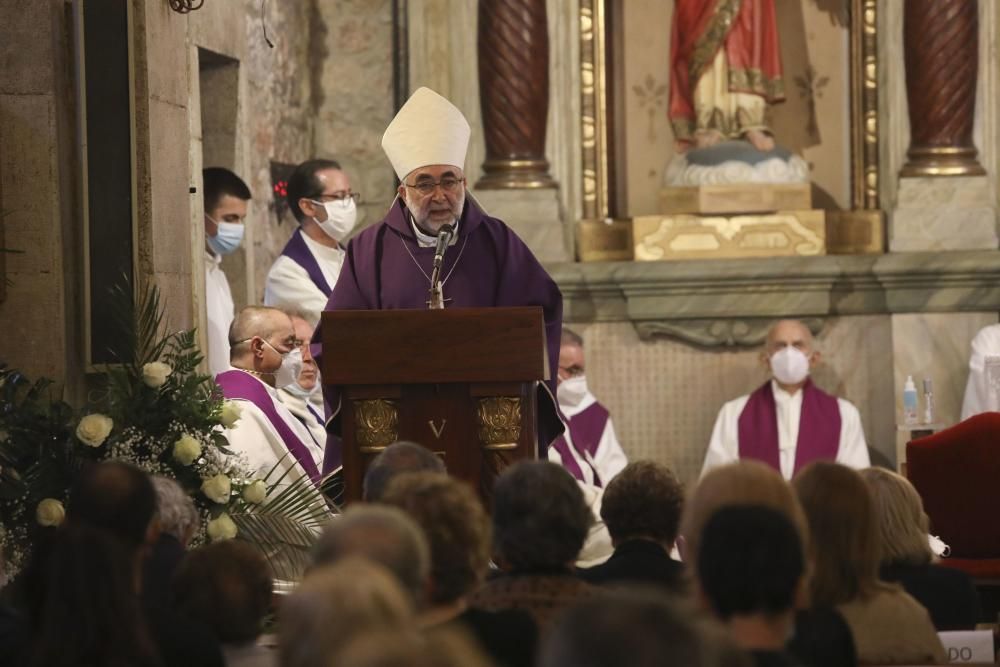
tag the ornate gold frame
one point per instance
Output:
(864, 110)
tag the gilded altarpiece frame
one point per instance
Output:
(858, 230)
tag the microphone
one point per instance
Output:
(436, 300)
(443, 239)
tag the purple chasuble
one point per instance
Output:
(819, 428)
(585, 430)
(385, 269)
(297, 251)
(240, 385)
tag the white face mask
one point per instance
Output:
(291, 366)
(790, 365)
(295, 389)
(572, 390)
(340, 219)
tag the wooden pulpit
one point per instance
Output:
(461, 382)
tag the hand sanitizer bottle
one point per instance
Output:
(928, 401)
(909, 401)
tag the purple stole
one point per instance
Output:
(585, 430)
(297, 251)
(240, 385)
(819, 428)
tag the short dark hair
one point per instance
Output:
(219, 181)
(225, 586)
(397, 458)
(117, 497)
(540, 518)
(303, 183)
(643, 500)
(750, 561)
(627, 626)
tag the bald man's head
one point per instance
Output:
(258, 338)
(793, 333)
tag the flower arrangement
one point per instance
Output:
(160, 414)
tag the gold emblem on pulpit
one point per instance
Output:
(499, 419)
(376, 424)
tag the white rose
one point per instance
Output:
(231, 412)
(50, 512)
(94, 429)
(221, 528)
(155, 373)
(217, 489)
(186, 450)
(255, 492)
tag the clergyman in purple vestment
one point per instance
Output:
(388, 266)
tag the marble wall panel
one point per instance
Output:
(664, 395)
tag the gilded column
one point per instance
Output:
(941, 51)
(514, 92)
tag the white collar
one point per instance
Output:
(782, 395)
(213, 258)
(426, 240)
(322, 251)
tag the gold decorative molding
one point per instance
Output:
(864, 105)
(593, 110)
(376, 424)
(499, 420)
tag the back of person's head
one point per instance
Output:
(384, 535)
(570, 338)
(844, 531)
(902, 523)
(336, 603)
(85, 608)
(176, 511)
(117, 497)
(628, 627)
(740, 483)
(440, 647)
(750, 562)
(456, 526)
(643, 501)
(540, 518)
(396, 459)
(303, 183)
(219, 181)
(226, 587)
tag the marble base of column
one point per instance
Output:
(942, 161)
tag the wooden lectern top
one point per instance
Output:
(434, 346)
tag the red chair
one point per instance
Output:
(957, 472)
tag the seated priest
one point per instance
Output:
(389, 265)
(980, 392)
(588, 448)
(788, 422)
(266, 355)
(304, 398)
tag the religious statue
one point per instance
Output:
(725, 69)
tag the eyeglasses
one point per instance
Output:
(448, 184)
(572, 371)
(344, 198)
(288, 342)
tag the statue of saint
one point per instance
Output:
(725, 68)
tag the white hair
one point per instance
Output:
(178, 516)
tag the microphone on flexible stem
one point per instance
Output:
(444, 237)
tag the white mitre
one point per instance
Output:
(427, 130)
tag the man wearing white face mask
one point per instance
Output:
(304, 397)
(588, 448)
(226, 197)
(303, 276)
(788, 422)
(267, 355)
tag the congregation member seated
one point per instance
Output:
(948, 595)
(336, 603)
(788, 422)
(383, 535)
(540, 522)
(588, 448)
(751, 572)
(119, 498)
(888, 625)
(226, 587)
(84, 606)
(396, 459)
(822, 637)
(638, 629)
(641, 509)
(436, 648)
(458, 530)
(178, 521)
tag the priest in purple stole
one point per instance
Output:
(589, 448)
(388, 265)
(788, 422)
(265, 355)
